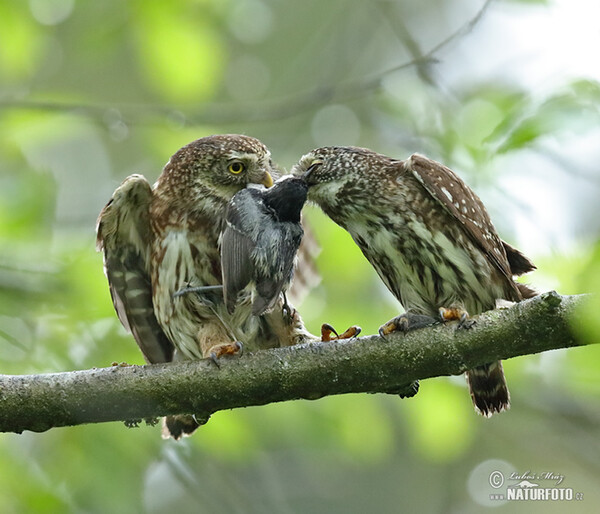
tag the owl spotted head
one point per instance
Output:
(220, 164)
(335, 172)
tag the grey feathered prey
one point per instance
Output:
(259, 243)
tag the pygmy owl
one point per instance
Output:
(157, 240)
(428, 236)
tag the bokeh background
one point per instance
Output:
(505, 92)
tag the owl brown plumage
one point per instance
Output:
(428, 236)
(157, 240)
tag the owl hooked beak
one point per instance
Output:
(267, 180)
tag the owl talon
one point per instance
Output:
(405, 323)
(465, 322)
(326, 331)
(457, 313)
(226, 349)
(349, 333)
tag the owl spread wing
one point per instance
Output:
(124, 237)
(466, 207)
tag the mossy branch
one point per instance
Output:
(366, 364)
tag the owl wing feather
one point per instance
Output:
(124, 237)
(464, 205)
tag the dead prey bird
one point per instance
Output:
(259, 244)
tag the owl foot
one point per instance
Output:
(457, 313)
(225, 349)
(327, 330)
(120, 364)
(405, 323)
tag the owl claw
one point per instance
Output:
(326, 331)
(405, 323)
(349, 333)
(226, 349)
(457, 313)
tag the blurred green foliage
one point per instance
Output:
(91, 92)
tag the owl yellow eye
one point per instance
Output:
(236, 167)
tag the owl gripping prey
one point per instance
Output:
(158, 239)
(429, 238)
(258, 248)
(259, 243)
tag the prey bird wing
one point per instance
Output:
(124, 237)
(465, 206)
(306, 274)
(260, 242)
(236, 248)
(278, 243)
(274, 260)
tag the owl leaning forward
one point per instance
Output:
(428, 236)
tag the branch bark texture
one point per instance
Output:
(366, 364)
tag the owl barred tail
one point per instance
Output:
(488, 388)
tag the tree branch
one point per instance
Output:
(367, 364)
